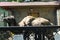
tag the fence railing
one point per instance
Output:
(26, 31)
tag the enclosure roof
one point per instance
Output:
(55, 3)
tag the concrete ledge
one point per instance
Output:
(54, 3)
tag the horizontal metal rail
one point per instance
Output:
(26, 27)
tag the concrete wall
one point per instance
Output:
(46, 12)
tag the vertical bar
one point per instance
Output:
(43, 34)
(58, 17)
(38, 34)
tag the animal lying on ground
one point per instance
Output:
(32, 21)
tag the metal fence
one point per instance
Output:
(26, 33)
